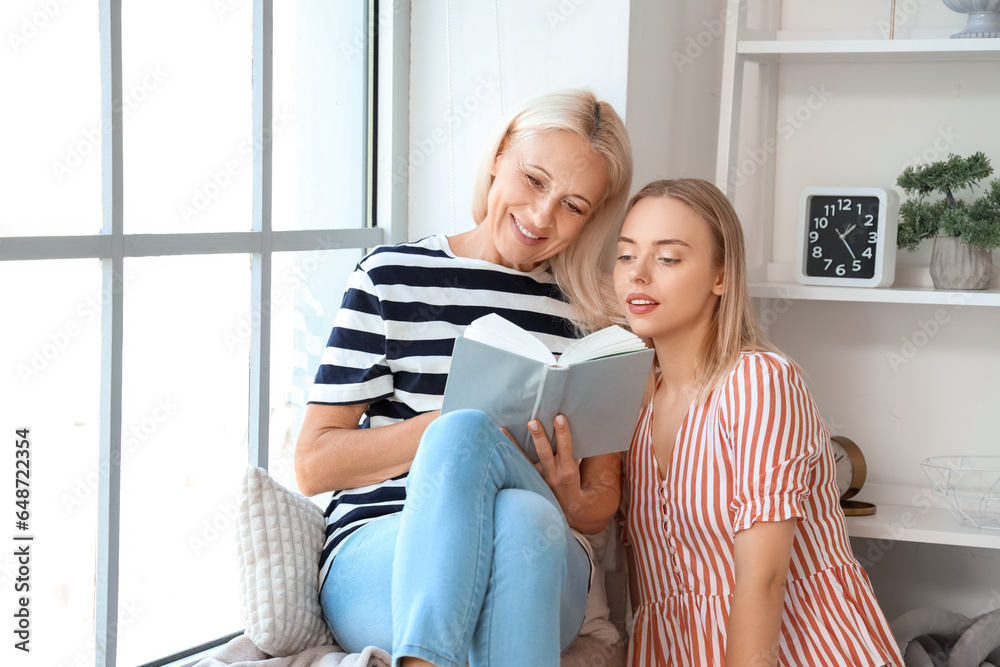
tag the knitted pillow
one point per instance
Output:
(281, 534)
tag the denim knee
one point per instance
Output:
(456, 438)
(463, 424)
(534, 531)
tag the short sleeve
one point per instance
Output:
(353, 368)
(773, 428)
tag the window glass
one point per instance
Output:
(50, 174)
(186, 83)
(184, 450)
(319, 107)
(306, 292)
(50, 385)
(187, 160)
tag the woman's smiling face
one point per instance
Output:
(544, 189)
(664, 276)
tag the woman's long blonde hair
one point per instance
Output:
(580, 269)
(734, 328)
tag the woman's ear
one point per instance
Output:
(719, 287)
(496, 158)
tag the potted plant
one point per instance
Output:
(964, 232)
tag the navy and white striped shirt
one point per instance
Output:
(392, 341)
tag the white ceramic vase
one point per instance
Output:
(984, 17)
(956, 266)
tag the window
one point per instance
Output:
(189, 187)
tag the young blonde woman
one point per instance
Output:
(444, 544)
(739, 551)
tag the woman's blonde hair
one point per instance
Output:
(579, 268)
(734, 328)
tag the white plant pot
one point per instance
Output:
(984, 17)
(956, 266)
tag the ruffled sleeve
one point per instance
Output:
(774, 431)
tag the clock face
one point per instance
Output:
(843, 238)
(847, 236)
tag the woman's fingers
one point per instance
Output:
(543, 449)
(564, 442)
(559, 470)
(554, 468)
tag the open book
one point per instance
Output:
(509, 374)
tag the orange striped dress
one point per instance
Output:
(755, 450)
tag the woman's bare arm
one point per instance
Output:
(762, 554)
(332, 454)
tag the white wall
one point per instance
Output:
(674, 75)
(544, 46)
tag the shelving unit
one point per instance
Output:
(908, 514)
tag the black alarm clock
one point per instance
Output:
(847, 237)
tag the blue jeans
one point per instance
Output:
(479, 565)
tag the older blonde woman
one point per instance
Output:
(444, 544)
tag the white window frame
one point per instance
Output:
(387, 50)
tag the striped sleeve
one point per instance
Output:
(772, 425)
(353, 368)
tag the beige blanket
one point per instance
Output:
(241, 652)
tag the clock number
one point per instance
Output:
(827, 264)
(820, 223)
(859, 209)
(829, 209)
(813, 237)
(845, 204)
(873, 237)
(841, 270)
(856, 266)
(867, 253)
(869, 219)
(817, 252)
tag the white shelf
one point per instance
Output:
(869, 50)
(926, 295)
(903, 523)
(915, 514)
(929, 526)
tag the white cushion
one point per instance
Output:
(281, 534)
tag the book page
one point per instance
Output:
(603, 343)
(503, 334)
